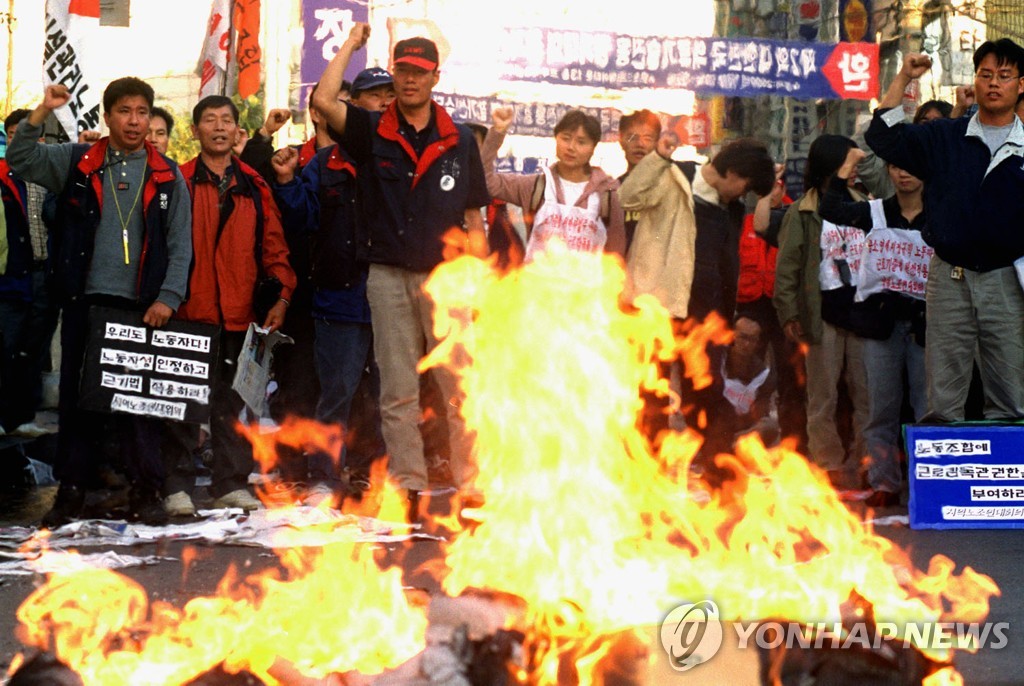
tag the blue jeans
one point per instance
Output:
(26, 329)
(884, 362)
(342, 355)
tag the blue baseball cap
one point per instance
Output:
(371, 78)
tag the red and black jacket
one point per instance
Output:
(79, 207)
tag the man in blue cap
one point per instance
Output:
(318, 198)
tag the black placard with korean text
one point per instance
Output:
(136, 369)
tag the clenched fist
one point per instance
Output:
(503, 118)
(56, 96)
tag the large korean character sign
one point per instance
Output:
(135, 369)
(326, 25)
(852, 70)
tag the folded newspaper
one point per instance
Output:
(255, 368)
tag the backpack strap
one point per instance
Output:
(538, 193)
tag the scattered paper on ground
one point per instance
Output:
(289, 527)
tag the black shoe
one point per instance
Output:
(413, 509)
(147, 508)
(882, 499)
(66, 507)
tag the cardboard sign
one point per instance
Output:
(894, 260)
(841, 250)
(966, 476)
(136, 369)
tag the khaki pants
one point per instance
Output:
(838, 351)
(403, 333)
(981, 314)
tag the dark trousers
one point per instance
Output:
(232, 453)
(26, 328)
(297, 383)
(788, 369)
(81, 431)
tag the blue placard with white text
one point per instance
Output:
(966, 476)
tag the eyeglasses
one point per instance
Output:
(634, 137)
(1001, 77)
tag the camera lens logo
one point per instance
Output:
(691, 634)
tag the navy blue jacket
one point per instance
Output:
(409, 201)
(78, 215)
(321, 202)
(16, 282)
(975, 221)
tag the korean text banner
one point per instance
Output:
(538, 119)
(742, 67)
(326, 24)
(70, 26)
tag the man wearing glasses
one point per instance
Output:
(973, 169)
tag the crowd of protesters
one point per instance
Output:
(349, 225)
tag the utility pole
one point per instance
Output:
(8, 18)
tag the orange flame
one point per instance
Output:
(103, 626)
(593, 530)
(604, 533)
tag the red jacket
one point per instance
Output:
(757, 265)
(224, 269)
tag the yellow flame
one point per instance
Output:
(597, 533)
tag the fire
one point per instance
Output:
(104, 627)
(596, 532)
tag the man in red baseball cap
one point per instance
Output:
(420, 178)
(419, 52)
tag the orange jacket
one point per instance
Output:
(224, 269)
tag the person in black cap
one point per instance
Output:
(420, 177)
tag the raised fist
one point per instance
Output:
(915, 65)
(359, 34)
(849, 167)
(965, 96)
(285, 161)
(276, 118)
(503, 118)
(241, 140)
(56, 96)
(89, 136)
(667, 144)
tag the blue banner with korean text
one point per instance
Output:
(743, 67)
(966, 476)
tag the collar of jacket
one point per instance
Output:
(307, 152)
(7, 179)
(337, 160)
(446, 129)
(92, 161)
(809, 203)
(704, 190)
(1013, 145)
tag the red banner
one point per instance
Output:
(247, 52)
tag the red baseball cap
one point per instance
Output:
(419, 52)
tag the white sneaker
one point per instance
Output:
(179, 505)
(241, 499)
(30, 429)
